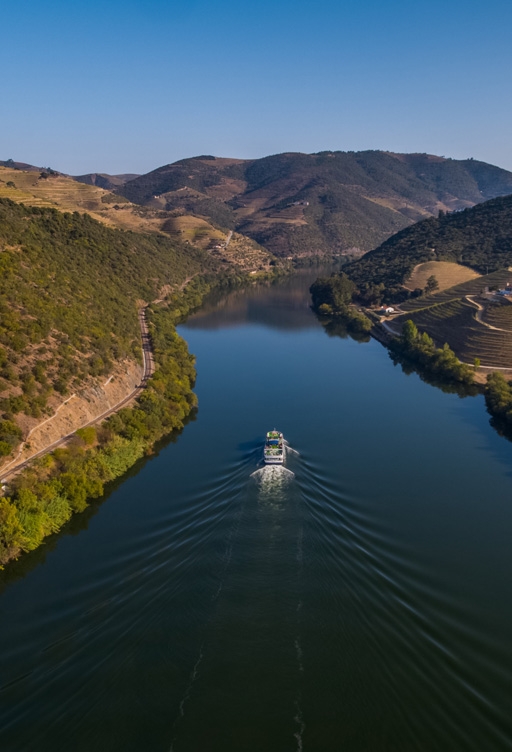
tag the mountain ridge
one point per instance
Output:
(297, 204)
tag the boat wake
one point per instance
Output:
(273, 474)
(290, 450)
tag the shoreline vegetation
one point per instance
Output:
(418, 348)
(498, 399)
(43, 497)
(333, 297)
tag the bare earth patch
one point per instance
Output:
(76, 411)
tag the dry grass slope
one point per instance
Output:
(193, 230)
(447, 274)
(248, 255)
(64, 193)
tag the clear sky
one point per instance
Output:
(126, 86)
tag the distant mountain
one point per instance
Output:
(102, 180)
(303, 204)
(479, 237)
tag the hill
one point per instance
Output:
(304, 204)
(51, 189)
(69, 292)
(102, 180)
(479, 238)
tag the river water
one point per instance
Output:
(358, 599)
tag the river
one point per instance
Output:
(358, 599)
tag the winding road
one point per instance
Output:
(478, 315)
(147, 371)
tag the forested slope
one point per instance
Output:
(69, 291)
(42, 498)
(479, 237)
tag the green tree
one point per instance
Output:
(336, 292)
(432, 284)
(87, 434)
(409, 333)
(11, 531)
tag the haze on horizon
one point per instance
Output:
(127, 87)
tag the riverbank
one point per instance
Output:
(41, 498)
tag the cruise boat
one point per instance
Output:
(273, 452)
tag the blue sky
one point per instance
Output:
(128, 86)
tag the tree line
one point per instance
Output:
(69, 291)
(42, 498)
(419, 348)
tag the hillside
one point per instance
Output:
(51, 189)
(69, 292)
(41, 188)
(447, 274)
(470, 316)
(103, 180)
(477, 324)
(304, 204)
(12, 165)
(479, 238)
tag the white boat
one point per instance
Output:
(273, 451)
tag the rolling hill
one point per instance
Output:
(36, 187)
(305, 204)
(69, 292)
(479, 238)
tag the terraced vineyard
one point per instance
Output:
(64, 193)
(499, 315)
(449, 317)
(458, 292)
(494, 348)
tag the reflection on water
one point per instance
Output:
(445, 385)
(338, 328)
(283, 304)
